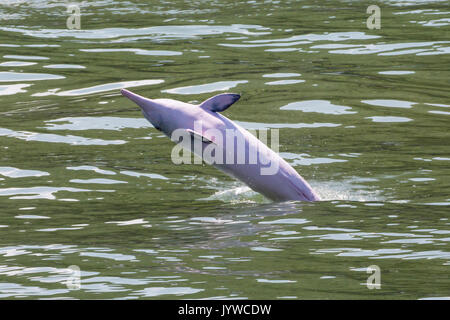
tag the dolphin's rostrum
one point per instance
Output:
(224, 144)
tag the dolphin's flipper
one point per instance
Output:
(220, 102)
(196, 135)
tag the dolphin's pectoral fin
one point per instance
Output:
(197, 135)
(220, 102)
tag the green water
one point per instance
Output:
(363, 115)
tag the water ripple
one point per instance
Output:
(96, 123)
(54, 138)
(205, 88)
(137, 51)
(21, 76)
(12, 172)
(13, 89)
(37, 192)
(99, 88)
(158, 32)
(319, 106)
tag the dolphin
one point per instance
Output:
(201, 129)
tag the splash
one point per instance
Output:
(234, 192)
(348, 190)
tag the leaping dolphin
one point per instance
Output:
(205, 127)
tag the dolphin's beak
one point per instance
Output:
(150, 108)
(147, 105)
(139, 100)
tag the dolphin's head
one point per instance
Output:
(152, 110)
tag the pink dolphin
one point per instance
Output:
(204, 131)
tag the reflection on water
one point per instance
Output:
(321, 106)
(205, 88)
(395, 72)
(166, 32)
(390, 103)
(15, 76)
(16, 64)
(137, 51)
(64, 66)
(97, 181)
(96, 123)
(280, 82)
(395, 49)
(36, 192)
(11, 172)
(85, 180)
(100, 88)
(19, 57)
(389, 119)
(93, 168)
(281, 75)
(47, 137)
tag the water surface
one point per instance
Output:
(85, 180)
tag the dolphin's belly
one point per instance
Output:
(271, 175)
(281, 186)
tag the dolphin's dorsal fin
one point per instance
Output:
(220, 102)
